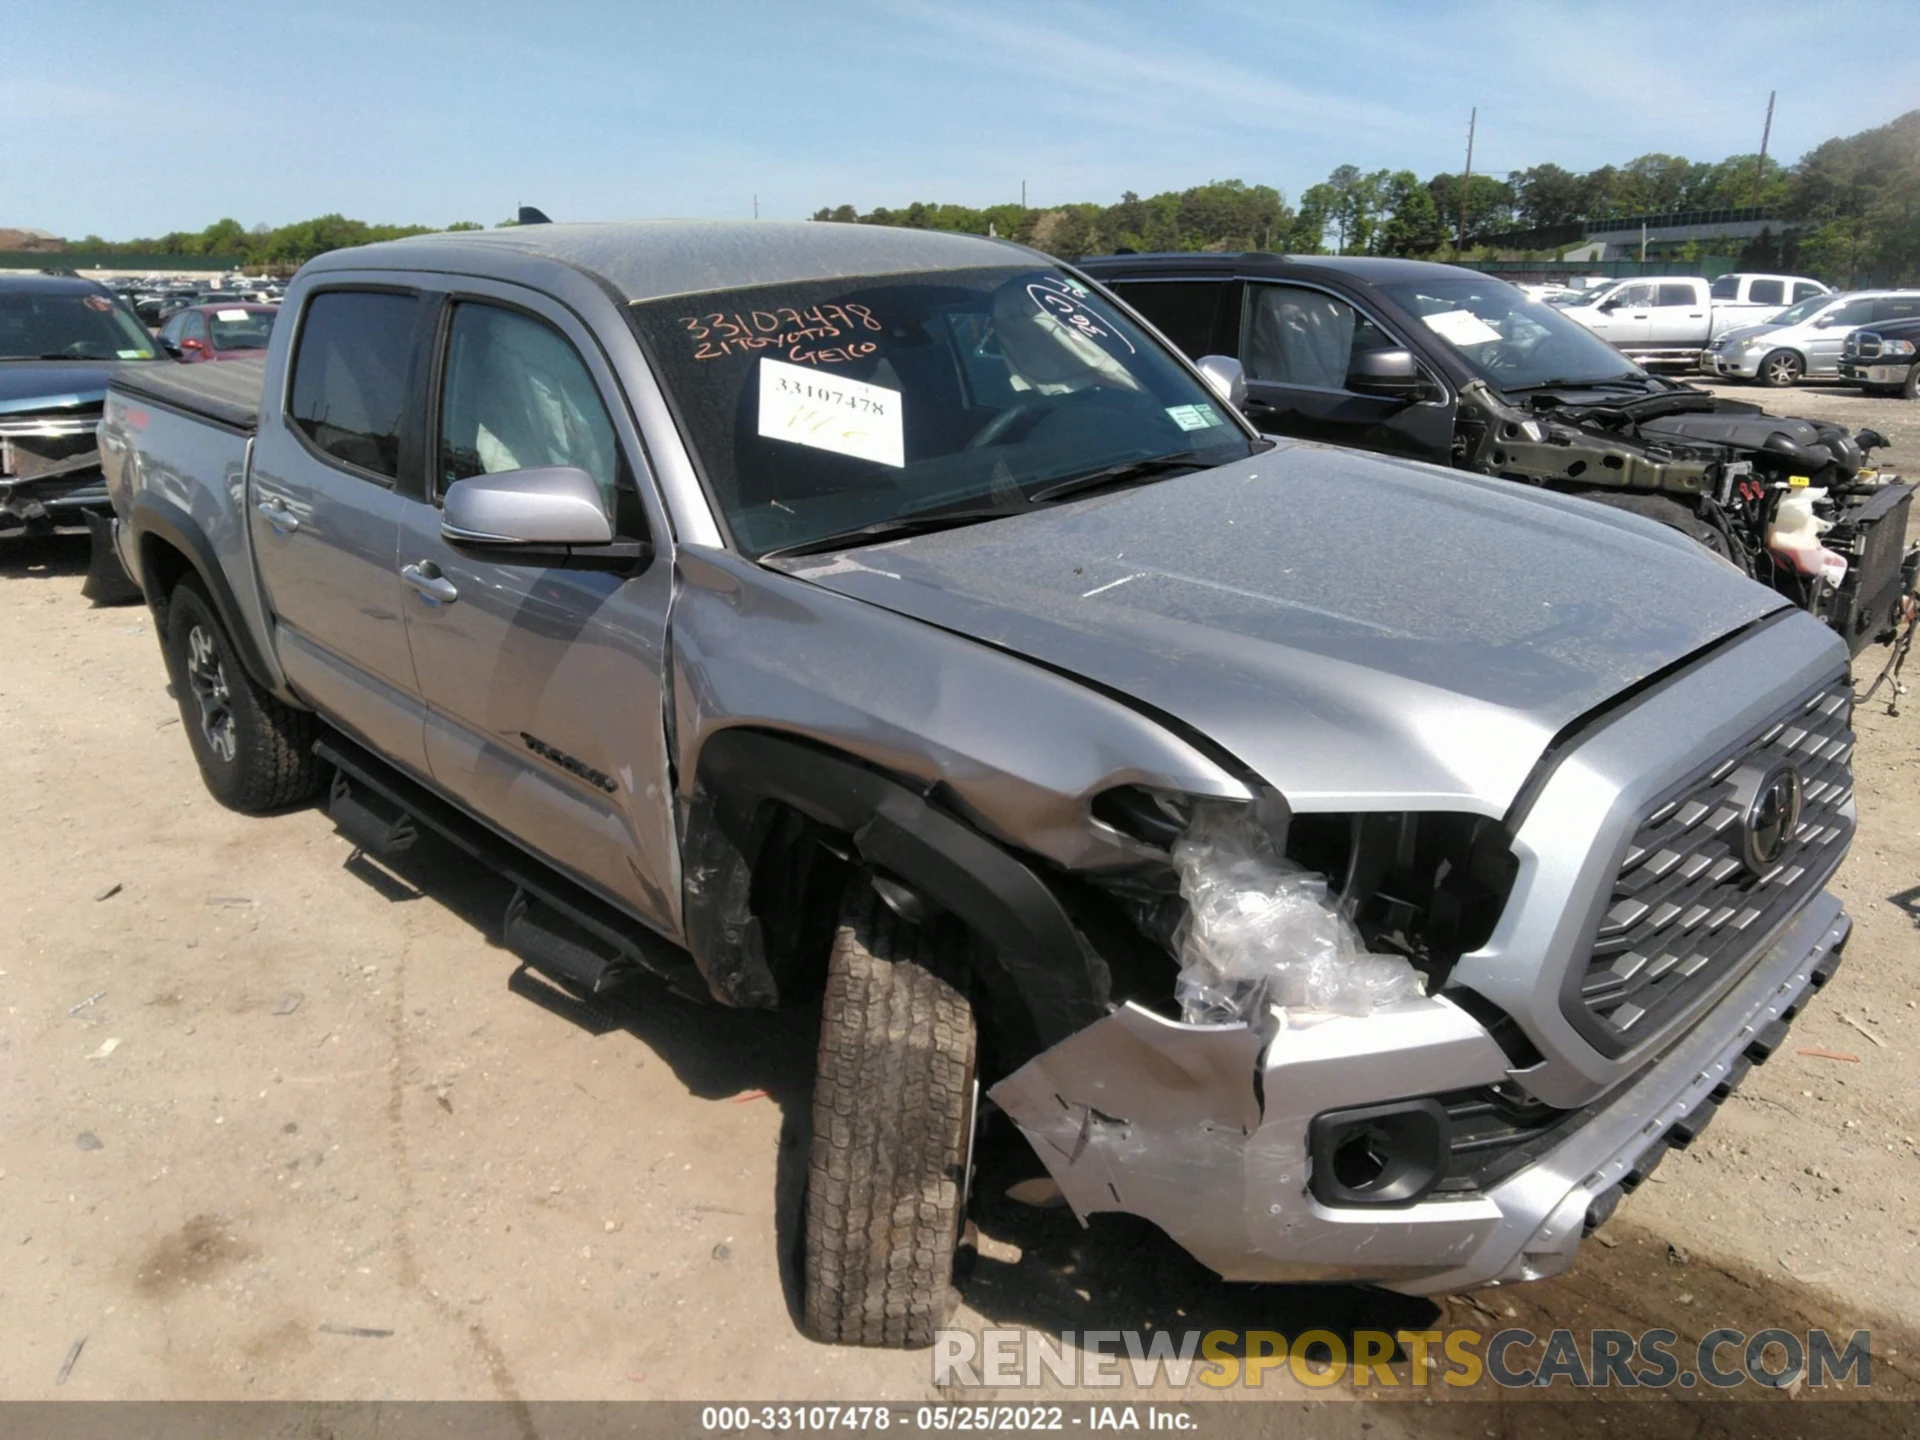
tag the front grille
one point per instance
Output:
(52, 445)
(1687, 907)
(1863, 345)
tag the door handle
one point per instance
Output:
(278, 516)
(425, 576)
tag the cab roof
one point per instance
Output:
(654, 259)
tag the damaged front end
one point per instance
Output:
(49, 470)
(1398, 1146)
(1791, 502)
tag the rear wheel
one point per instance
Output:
(1911, 390)
(893, 1106)
(1781, 368)
(255, 753)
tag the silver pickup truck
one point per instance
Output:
(1360, 871)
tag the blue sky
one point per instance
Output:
(140, 116)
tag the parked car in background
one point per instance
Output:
(1743, 298)
(59, 340)
(1804, 341)
(218, 332)
(1457, 368)
(861, 619)
(1664, 320)
(1884, 356)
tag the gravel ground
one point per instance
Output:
(278, 1122)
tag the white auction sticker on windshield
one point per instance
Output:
(830, 412)
(1194, 417)
(229, 314)
(1462, 327)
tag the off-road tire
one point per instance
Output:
(255, 753)
(892, 1117)
(1911, 390)
(1780, 369)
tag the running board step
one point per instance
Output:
(369, 819)
(584, 960)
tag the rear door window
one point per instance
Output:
(1676, 295)
(1185, 311)
(1768, 292)
(351, 376)
(1896, 307)
(1727, 287)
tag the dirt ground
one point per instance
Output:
(278, 1122)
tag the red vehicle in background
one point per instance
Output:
(218, 332)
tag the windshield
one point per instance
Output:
(1513, 342)
(823, 408)
(69, 325)
(240, 329)
(1805, 310)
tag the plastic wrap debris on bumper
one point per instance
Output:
(1202, 1129)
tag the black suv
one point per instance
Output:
(1444, 364)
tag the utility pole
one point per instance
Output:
(1466, 181)
(1023, 194)
(1760, 162)
(756, 205)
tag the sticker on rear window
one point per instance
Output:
(825, 411)
(1194, 417)
(230, 314)
(1462, 327)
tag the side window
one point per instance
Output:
(1297, 336)
(1183, 310)
(196, 327)
(1677, 295)
(1727, 287)
(1768, 292)
(517, 396)
(1854, 312)
(1805, 290)
(1633, 296)
(1896, 307)
(171, 330)
(350, 376)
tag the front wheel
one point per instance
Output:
(1911, 390)
(893, 1105)
(1780, 369)
(255, 753)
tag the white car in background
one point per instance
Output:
(1744, 298)
(1804, 341)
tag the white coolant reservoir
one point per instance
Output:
(1794, 536)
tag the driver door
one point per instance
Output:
(1297, 346)
(1629, 320)
(542, 682)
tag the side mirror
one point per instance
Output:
(172, 348)
(1393, 374)
(1826, 322)
(1609, 305)
(1225, 376)
(552, 505)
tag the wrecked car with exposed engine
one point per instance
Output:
(1439, 363)
(1358, 872)
(60, 338)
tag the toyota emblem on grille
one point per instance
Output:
(1771, 819)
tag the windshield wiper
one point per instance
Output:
(1117, 475)
(898, 528)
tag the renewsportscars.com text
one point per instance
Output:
(1461, 1359)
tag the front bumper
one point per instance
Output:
(42, 504)
(1889, 374)
(1733, 364)
(1204, 1129)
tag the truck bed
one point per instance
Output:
(224, 392)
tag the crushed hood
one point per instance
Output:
(1361, 632)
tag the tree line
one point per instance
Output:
(1850, 210)
(1853, 204)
